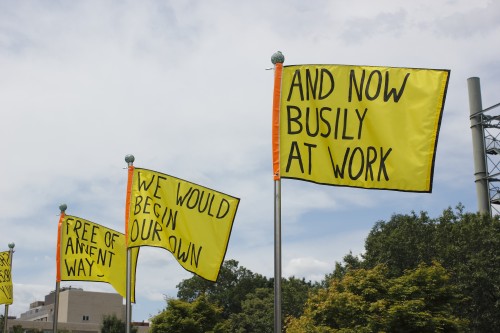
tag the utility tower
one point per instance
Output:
(485, 130)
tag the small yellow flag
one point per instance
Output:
(191, 221)
(6, 291)
(92, 252)
(361, 126)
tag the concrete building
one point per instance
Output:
(79, 312)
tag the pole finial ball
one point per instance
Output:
(278, 57)
(11, 245)
(63, 207)
(129, 159)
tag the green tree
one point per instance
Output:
(346, 305)
(422, 300)
(402, 243)
(257, 309)
(349, 262)
(294, 294)
(257, 313)
(198, 316)
(466, 244)
(246, 299)
(112, 324)
(370, 300)
(470, 249)
(232, 286)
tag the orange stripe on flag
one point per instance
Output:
(276, 120)
(58, 253)
(127, 203)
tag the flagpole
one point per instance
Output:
(62, 208)
(6, 313)
(277, 59)
(128, 312)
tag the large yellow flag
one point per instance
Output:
(92, 252)
(6, 294)
(360, 126)
(191, 221)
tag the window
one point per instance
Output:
(86, 318)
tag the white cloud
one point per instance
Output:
(310, 268)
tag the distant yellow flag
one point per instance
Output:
(361, 126)
(191, 221)
(6, 291)
(92, 252)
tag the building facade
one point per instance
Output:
(79, 312)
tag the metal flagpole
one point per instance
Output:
(277, 256)
(62, 208)
(277, 59)
(478, 145)
(128, 313)
(5, 317)
(6, 313)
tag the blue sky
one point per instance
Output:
(183, 86)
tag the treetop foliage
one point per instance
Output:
(417, 274)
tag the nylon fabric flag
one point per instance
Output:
(6, 289)
(360, 126)
(92, 252)
(193, 222)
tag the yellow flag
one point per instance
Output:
(6, 294)
(92, 252)
(191, 221)
(361, 126)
